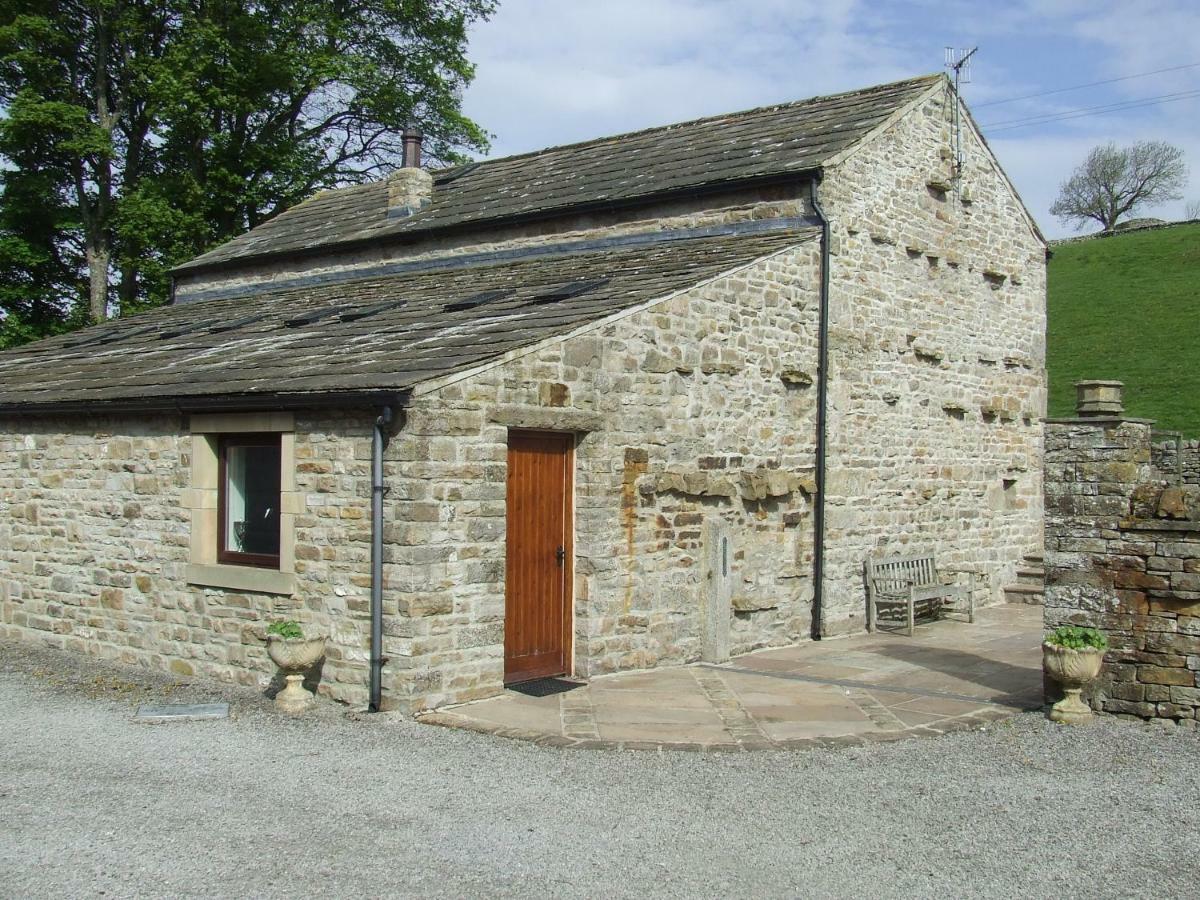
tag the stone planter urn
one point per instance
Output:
(294, 656)
(1074, 670)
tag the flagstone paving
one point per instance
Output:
(950, 676)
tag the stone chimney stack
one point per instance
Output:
(1099, 399)
(409, 188)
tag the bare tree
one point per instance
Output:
(1115, 180)
(1193, 210)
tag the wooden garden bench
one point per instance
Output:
(910, 581)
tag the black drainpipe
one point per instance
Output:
(379, 439)
(822, 397)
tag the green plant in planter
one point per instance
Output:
(296, 651)
(1077, 637)
(1072, 655)
(286, 629)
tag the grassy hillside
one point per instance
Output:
(1128, 308)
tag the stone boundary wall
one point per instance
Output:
(1183, 466)
(1100, 235)
(1123, 555)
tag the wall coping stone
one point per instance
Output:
(1156, 525)
(1100, 422)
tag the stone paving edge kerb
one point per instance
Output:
(972, 722)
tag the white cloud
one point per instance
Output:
(552, 72)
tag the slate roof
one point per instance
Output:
(171, 353)
(786, 139)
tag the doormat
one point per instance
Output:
(544, 687)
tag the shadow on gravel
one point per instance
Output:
(312, 678)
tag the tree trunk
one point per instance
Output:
(96, 224)
(98, 257)
(127, 288)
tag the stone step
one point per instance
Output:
(1032, 594)
(1031, 575)
(1035, 559)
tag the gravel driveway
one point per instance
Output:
(92, 803)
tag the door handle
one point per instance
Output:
(560, 555)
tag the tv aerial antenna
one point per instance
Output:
(960, 62)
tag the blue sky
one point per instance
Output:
(555, 71)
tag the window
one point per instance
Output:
(243, 502)
(248, 489)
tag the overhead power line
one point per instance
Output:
(1079, 87)
(1090, 111)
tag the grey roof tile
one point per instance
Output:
(768, 141)
(392, 350)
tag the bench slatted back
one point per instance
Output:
(895, 574)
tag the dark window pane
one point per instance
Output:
(252, 499)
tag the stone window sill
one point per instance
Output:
(242, 578)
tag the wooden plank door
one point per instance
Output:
(537, 615)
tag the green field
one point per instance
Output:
(1128, 308)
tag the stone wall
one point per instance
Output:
(1123, 555)
(1178, 463)
(937, 361)
(94, 545)
(697, 408)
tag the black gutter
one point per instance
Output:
(514, 219)
(379, 440)
(211, 403)
(818, 604)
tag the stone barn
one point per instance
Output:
(613, 405)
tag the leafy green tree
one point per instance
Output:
(138, 133)
(41, 260)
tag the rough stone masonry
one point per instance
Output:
(1123, 555)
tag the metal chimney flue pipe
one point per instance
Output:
(412, 147)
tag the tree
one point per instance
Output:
(1114, 181)
(1193, 210)
(138, 133)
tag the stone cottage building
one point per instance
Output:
(613, 405)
